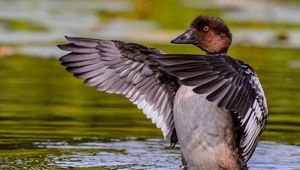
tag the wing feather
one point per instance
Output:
(230, 83)
(124, 68)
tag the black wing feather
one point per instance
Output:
(230, 83)
(124, 68)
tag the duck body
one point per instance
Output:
(209, 130)
(212, 104)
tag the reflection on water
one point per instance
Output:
(156, 154)
(141, 154)
(48, 119)
(131, 154)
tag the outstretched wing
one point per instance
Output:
(124, 68)
(230, 83)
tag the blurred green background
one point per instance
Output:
(40, 101)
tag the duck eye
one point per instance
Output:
(205, 28)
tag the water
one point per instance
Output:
(139, 154)
(156, 154)
(49, 120)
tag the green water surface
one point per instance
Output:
(40, 101)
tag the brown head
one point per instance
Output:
(210, 34)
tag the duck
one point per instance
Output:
(213, 105)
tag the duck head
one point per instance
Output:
(210, 34)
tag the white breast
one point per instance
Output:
(204, 131)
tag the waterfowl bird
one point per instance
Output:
(212, 104)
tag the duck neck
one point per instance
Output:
(219, 53)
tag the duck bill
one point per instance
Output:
(185, 38)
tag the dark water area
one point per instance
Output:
(49, 120)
